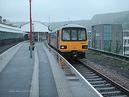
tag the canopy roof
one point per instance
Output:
(6, 28)
(36, 26)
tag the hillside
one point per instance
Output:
(80, 22)
(108, 18)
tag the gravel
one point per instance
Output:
(114, 68)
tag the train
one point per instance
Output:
(10, 35)
(70, 40)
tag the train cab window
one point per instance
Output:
(66, 34)
(73, 34)
(81, 35)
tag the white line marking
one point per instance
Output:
(61, 84)
(34, 91)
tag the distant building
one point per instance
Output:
(126, 42)
(108, 37)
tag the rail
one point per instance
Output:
(107, 79)
(101, 84)
(81, 78)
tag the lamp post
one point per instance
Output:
(33, 36)
(30, 34)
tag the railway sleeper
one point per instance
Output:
(90, 77)
(89, 72)
(92, 74)
(95, 79)
(111, 93)
(97, 82)
(106, 89)
(102, 85)
(120, 96)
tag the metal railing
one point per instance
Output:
(110, 54)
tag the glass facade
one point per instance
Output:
(107, 35)
(107, 45)
(89, 39)
(93, 36)
(107, 32)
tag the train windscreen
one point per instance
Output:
(75, 34)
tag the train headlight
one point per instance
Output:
(63, 47)
(84, 46)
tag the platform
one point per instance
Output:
(39, 76)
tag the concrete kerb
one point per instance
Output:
(87, 84)
(34, 90)
(6, 56)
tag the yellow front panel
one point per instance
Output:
(73, 46)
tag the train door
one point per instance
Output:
(49, 38)
(58, 39)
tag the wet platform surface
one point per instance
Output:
(20, 76)
(16, 77)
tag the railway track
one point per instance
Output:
(6, 47)
(101, 83)
(105, 86)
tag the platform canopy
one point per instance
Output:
(6, 28)
(36, 27)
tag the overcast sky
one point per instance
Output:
(59, 10)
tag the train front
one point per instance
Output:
(73, 42)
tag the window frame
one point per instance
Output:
(70, 28)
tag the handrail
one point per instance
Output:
(110, 54)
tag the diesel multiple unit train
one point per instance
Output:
(70, 40)
(10, 35)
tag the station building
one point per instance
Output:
(39, 30)
(108, 37)
(126, 42)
